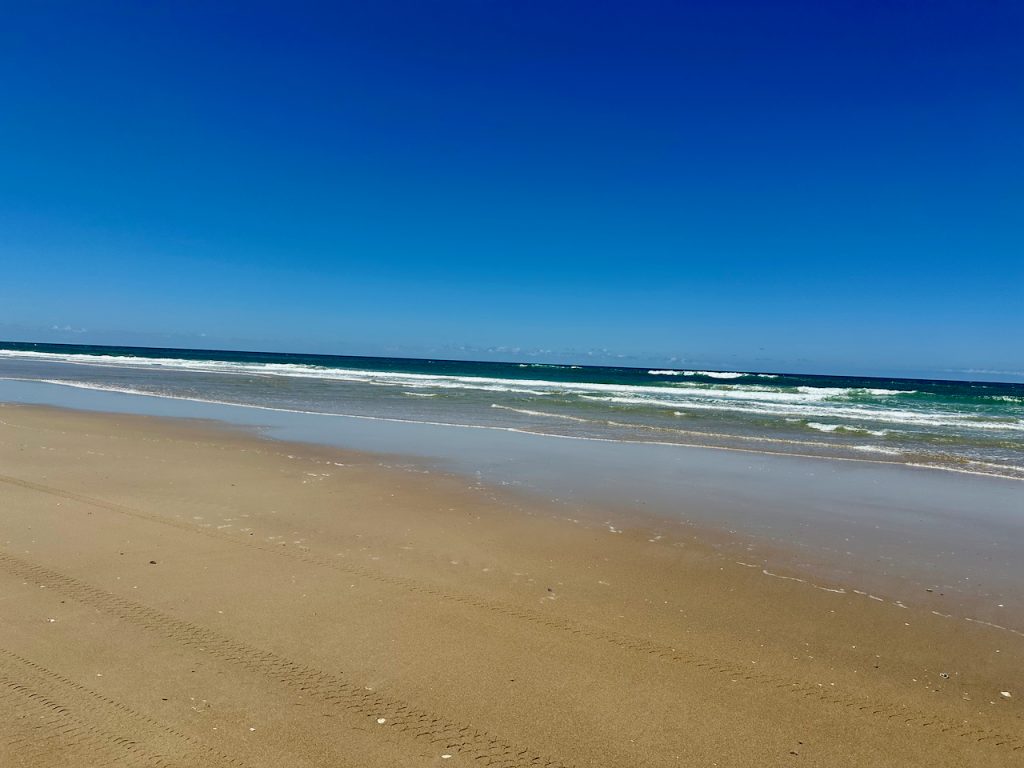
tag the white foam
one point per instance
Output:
(421, 380)
(818, 404)
(824, 427)
(845, 428)
(721, 374)
(878, 449)
(517, 430)
(851, 391)
(785, 405)
(709, 374)
(529, 412)
(416, 380)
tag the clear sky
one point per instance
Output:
(814, 186)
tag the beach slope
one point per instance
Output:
(173, 593)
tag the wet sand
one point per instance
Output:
(878, 527)
(177, 593)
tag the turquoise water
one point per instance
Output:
(966, 426)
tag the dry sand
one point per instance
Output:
(173, 593)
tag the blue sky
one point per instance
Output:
(787, 186)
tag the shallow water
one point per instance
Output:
(890, 528)
(964, 426)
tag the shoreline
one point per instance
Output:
(775, 554)
(1009, 472)
(881, 528)
(481, 605)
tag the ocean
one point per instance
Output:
(975, 427)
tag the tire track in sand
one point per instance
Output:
(892, 713)
(37, 730)
(105, 711)
(331, 688)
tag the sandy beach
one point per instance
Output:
(175, 593)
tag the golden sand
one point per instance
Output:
(177, 594)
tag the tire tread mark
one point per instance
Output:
(486, 748)
(58, 729)
(626, 642)
(55, 678)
